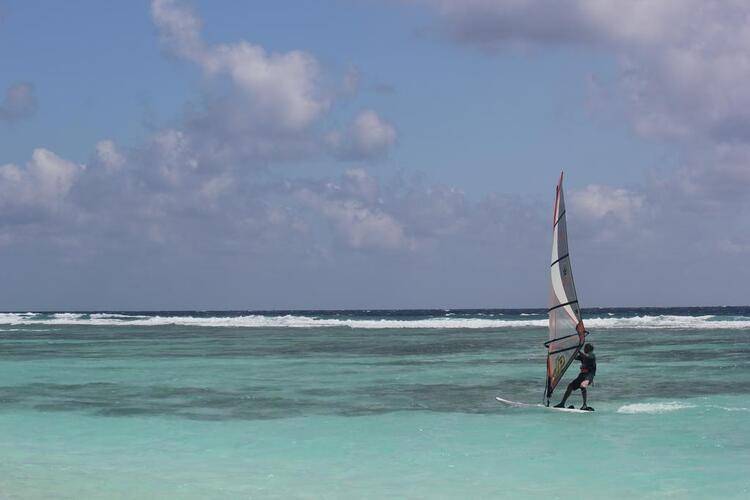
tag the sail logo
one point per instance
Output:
(559, 366)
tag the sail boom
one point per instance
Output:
(559, 217)
(562, 305)
(547, 344)
(566, 349)
(559, 259)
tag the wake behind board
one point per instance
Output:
(518, 404)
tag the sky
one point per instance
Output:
(361, 154)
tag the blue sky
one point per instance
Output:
(373, 154)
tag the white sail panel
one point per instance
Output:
(566, 330)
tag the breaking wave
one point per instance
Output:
(259, 321)
(475, 321)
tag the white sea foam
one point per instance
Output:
(260, 321)
(730, 408)
(661, 321)
(114, 315)
(654, 407)
(304, 321)
(24, 329)
(671, 322)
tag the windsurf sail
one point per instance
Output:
(566, 330)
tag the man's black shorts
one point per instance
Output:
(576, 384)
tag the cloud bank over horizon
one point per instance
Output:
(208, 212)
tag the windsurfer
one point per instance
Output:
(585, 378)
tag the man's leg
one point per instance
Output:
(567, 395)
(584, 385)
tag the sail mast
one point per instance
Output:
(566, 330)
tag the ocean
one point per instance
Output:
(370, 404)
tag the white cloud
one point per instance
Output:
(215, 187)
(368, 136)
(44, 182)
(273, 111)
(685, 64)
(174, 156)
(363, 227)
(356, 213)
(358, 183)
(108, 155)
(283, 87)
(179, 28)
(597, 201)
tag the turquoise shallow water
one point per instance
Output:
(369, 405)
